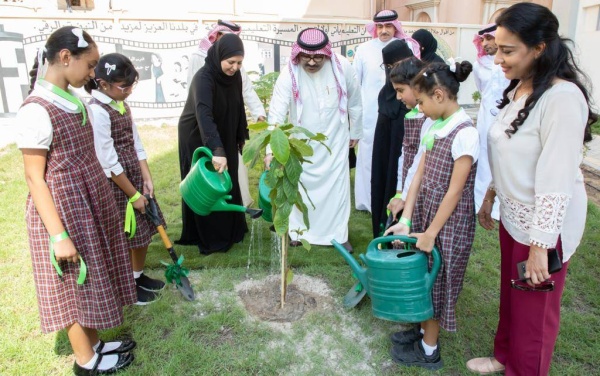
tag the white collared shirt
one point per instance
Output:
(103, 141)
(34, 129)
(466, 141)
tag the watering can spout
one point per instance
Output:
(222, 205)
(254, 213)
(359, 271)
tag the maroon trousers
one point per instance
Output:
(529, 320)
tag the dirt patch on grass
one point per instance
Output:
(262, 298)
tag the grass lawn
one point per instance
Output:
(215, 336)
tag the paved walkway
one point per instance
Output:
(592, 155)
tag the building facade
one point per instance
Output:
(159, 36)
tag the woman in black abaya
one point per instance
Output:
(387, 142)
(214, 116)
(428, 45)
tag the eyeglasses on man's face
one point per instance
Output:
(385, 66)
(523, 286)
(316, 58)
(125, 89)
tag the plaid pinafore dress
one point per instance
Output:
(411, 142)
(456, 237)
(87, 209)
(121, 131)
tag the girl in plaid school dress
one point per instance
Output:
(415, 125)
(123, 158)
(439, 209)
(80, 257)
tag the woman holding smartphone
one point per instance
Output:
(535, 148)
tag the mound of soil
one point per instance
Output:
(262, 299)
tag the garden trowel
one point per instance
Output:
(175, 273)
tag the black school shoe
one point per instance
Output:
(407, 336)
(149, 284)
(125, 359)
(145, 297)
(125, 346)
(413, 355)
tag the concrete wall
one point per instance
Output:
(160, 48)
(455, 11)
(346, 9)
(143, 27)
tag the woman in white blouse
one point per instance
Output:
(535, 149)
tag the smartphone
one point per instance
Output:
(521, 270)
(554, 264)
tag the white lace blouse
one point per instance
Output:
(536, 171)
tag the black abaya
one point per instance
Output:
(214, 116)
(387, 147)
(428, 45)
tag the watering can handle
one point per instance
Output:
(435, 253)
(435, 268)
(201, 150)
(388, 239)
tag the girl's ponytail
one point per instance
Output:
(74, 39)
(33, 73)
(441, 75)
(463, 70)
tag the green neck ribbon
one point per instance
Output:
(66, 95)
(429, 138)
(120, 106)
(412, 113)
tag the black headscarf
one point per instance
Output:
(395, 51)
(428, 45)
(227, 46)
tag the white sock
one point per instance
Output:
(108, 346)
(137, 275)
(428, 349)
(92, 361)
(108, 361)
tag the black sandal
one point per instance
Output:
(126, 345)
(125, 359)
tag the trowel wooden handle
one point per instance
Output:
(164, 237)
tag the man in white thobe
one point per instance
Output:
(491, 82)
(319, 90)
(251, 99)
(371, 76)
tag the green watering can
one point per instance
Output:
(398, 281)
(205, 190)
(264, 201)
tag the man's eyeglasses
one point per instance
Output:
(542, 287)
(385, 66)
(126, 89)
(317, 58)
